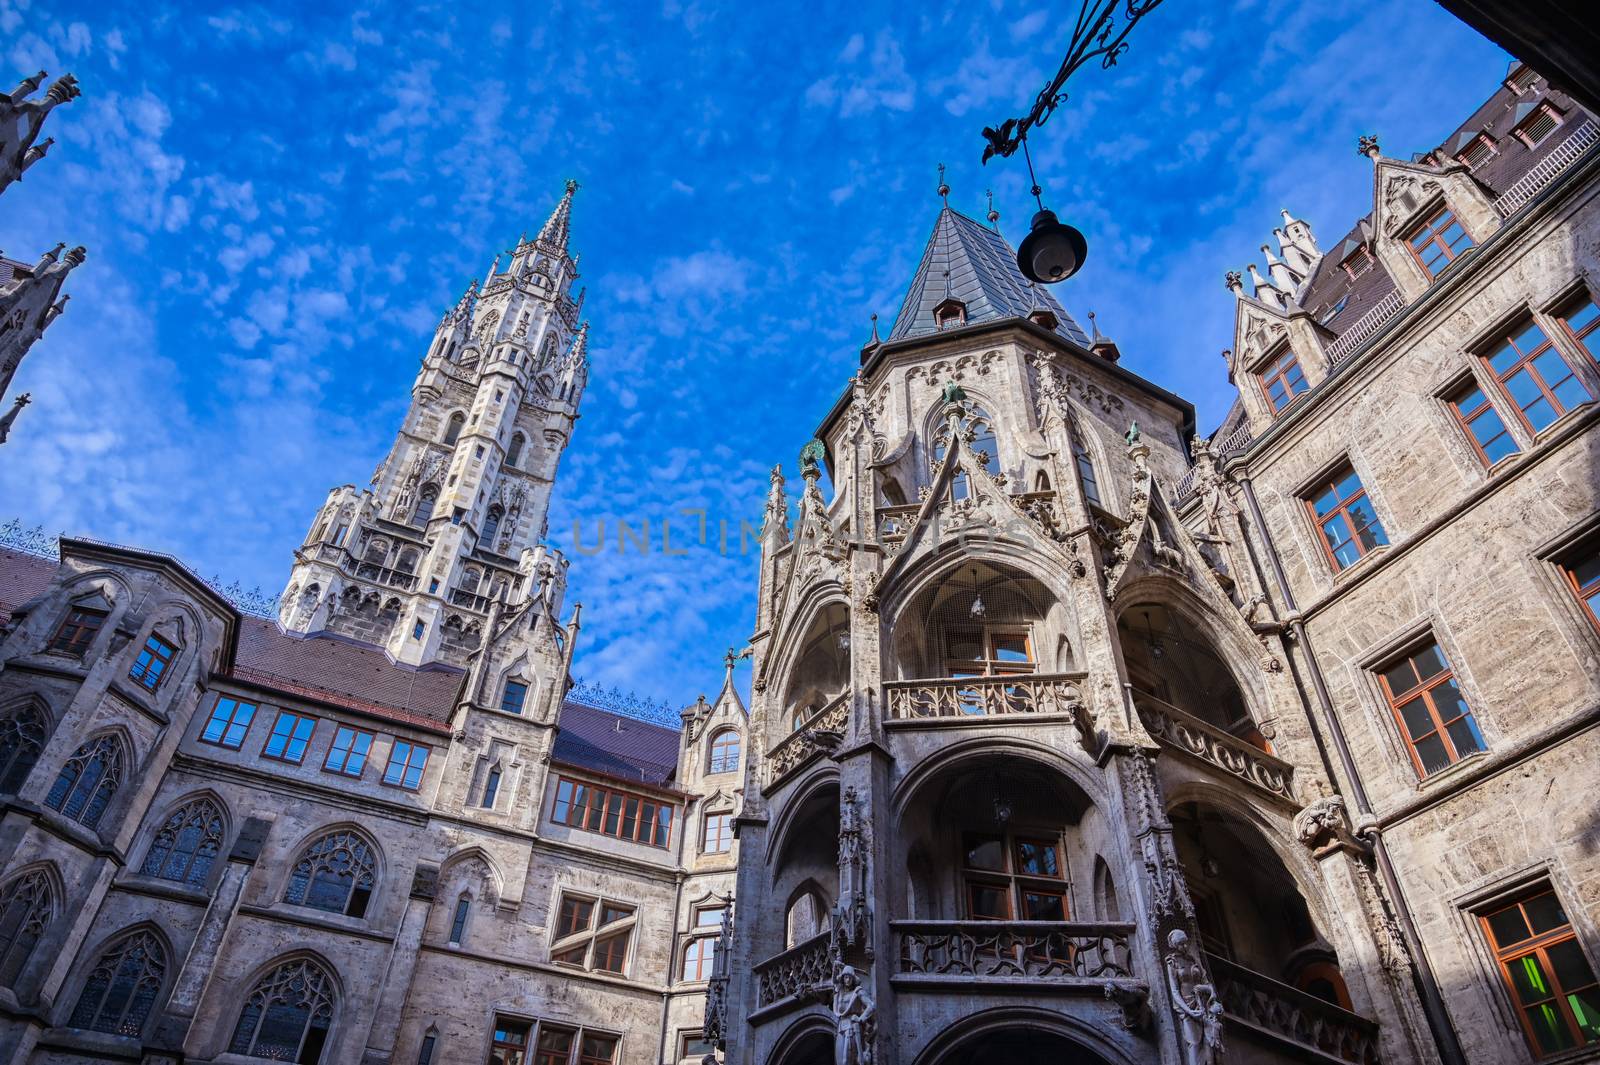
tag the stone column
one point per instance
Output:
(171, 1037)
(396, 982)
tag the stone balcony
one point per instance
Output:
(1189, 736)
(1058, 953)
(960, 700)
(1285, 1019)
(815, 736)
(801, 974)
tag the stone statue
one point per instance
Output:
(857, 1019)
(1133, 435)
(1194, 1000)
(954, 393)
(22, 118)
(812, 456)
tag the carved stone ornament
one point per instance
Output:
(1194, 1001)
(1324, 827)
(852, 918)
(856, 1018)
(1403, 196)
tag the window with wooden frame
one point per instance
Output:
(1582, 569)
(510, 1045)
(717, 836)
(612, 812)
(347, 755)
(1477, 152)
(1433, 716)
(1345, 517)
(77, 631)
(987, 650)
(699, 952)
(1580, 316)
(1014, 877)
(1438, 241)
(1282, 381)
(151, 663)
(1481, 422)
(407, 762)
(1522, 79)
(1358, 262)
(593, 933)
(1550, 978)
(693, 1047)
(1533, 374)
(230, 720)
(724, 752)
(291, 735)
(1539, 124)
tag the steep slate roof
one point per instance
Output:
(617, 746)
(22, 576)
(982, 273)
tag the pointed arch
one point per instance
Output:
(89, 779)
(427, 498)
(338, 871)
(28, 903)
(490, 880)
(977, 427)
(185, 847)
(123, 985)
(514, 451)
(452, 428)
(289, 1011)
(491, 526)
(805, 914)
(25, 725)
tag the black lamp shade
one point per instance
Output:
(1052, 251)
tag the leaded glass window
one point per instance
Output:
(336, 873)
(85, 785)
(25, 909)
(22, 736)
(122, 987)
(187, 844)
(288, 1014)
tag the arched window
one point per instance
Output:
(288, 1014)
(25, 909)
(425, 501)
(452, 428)
(514, 452)
(377, 551)
(724, 752)
(122, 987)
(803, 920)
(408, 561)
(336, 873)
(977, 431)
(458, 923)
(491, 787)
(491, 527)
(187, 844)
(22, 735)
(85, 785)
(1086, 477)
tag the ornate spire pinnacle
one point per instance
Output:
(11, 415)
(558, 226)
(944, 189)
(993, 215)
(776, 517)
(875, 338)
(23, 118)
(580, 346)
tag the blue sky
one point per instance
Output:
(279, 203)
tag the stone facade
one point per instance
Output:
(1071, 734)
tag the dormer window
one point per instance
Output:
(950, 314)
(1283, 381)
(1477, 151)
(1358, 261)
(1522, 79)
(1044, 318)
(1438, 242)
(1541, 121)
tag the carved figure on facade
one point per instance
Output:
(1323, 826)
(852, 918)
(1194, 1001)
(856, 1018)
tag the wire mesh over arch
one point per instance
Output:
(122, 987)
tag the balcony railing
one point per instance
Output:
(394, 578)
(802, 972)
(1533, 182)
(1189, 735)
(1054, 951)
(1368, 324)
(807, 741)
(1023, 693)
(1289, 1015)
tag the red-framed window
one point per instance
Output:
(347, 755)
(1583, 574)
(724, 752)
(151, 663)
(593, 934)
(1534, 375)
(291, 735)
(1433, 716)
(1540, 123)
(554, 1046)
(1482, 423)
(698, 954)
(76, 631)
(510, 1046)
(718, 835)
(230, 720)
(1439, 241)
(1350, 527)
(1014, 875)
(611, 812)
(1283, 381)
(407, 762)
(1478, 151)
(1545, 969)
(1581, 318)
(597, 1049)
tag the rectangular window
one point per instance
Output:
(510, 1042)
(152, 662)
(1534, 375)
(230, 720)
(407, 761)
(693, 1048)
(718, 836)
(597, 1049)
(77, 631)
(1014, 875)
(1350, 527)
(1539, 125)
(592, 934)
(348, 755)
(1581, 318)
(291, 733)
(1478, 152)
(1434, 719)
(1583, 573)
(425, 1054)
(1438, 242)
(1546, 971)
(514, 696)
(555, 1046)
(1283, 381)
(1483, 424)
(1085, 464)
(612, 813)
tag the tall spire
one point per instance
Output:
(557, 227)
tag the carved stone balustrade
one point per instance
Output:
(1317, 1030)
(1027, 693)
(801, 973)
(1187, 734)
(895, 522)
(808, 741)
(1026, 951)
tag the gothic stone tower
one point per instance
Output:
(1024, 778)
(453, 519)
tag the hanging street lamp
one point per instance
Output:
(1053, 251)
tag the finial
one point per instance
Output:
(1368, 145)
(944, 189)
(572, 186)
(811, 457)
(1094, 330)
(1133, 434)
(994, 216)
(728, 660)
(954, 393)
(11, 415)
(875, 338)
